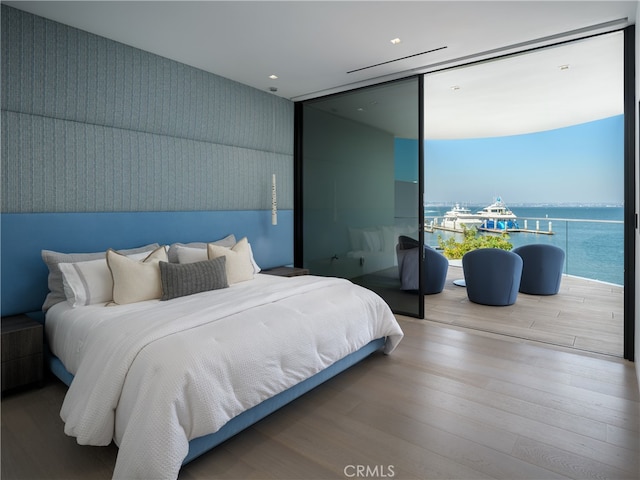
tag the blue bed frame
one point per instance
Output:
(24, 274)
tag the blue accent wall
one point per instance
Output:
(24, 236)
(93, 125)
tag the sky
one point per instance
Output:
(578, 164)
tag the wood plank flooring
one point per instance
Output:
(448, 403)
(585, 314)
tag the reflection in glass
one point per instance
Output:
(360, 186)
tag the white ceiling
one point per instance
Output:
(514, 95)
(312, 46)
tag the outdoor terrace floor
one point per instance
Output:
(585, 314)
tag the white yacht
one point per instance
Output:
(460, 217)
(497, 216)
(493, 217)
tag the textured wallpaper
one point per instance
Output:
(90, 125)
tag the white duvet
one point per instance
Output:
(154, 375)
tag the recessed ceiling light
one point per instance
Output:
(455, 87)
(273, 77)
(395, 41)
(564, 67)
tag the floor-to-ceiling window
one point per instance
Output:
(543, 132)
(361, 186)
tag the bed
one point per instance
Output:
(168, 380)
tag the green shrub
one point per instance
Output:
(472, 240)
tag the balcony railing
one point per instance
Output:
(594, 249)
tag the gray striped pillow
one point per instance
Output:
(181, 279)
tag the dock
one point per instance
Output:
(514, 230)
(432, 226)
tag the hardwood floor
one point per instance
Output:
(448, 403)
(585, 314)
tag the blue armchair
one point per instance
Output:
(492, 276)
(541, 268)
(435, 267)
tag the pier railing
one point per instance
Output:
(593, 248)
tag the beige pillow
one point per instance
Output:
(238, 263)
(136, 280)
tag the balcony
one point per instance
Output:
(585, 315)
(588, 312)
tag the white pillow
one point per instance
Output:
(368, 239)
(228, 241)
(389, 238)
(53, 259)
(238, 263)
(191, 254)
(355, 238)
(195, 254)
(372, 241)
(133, 280)
(256, 267)
(90, 282)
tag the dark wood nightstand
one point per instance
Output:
(286, 271)
(22, 351)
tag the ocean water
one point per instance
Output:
(593, 249)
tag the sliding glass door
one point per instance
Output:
(541, 132)
(548, 132)
(359, 167)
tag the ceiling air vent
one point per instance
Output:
(396, 60)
